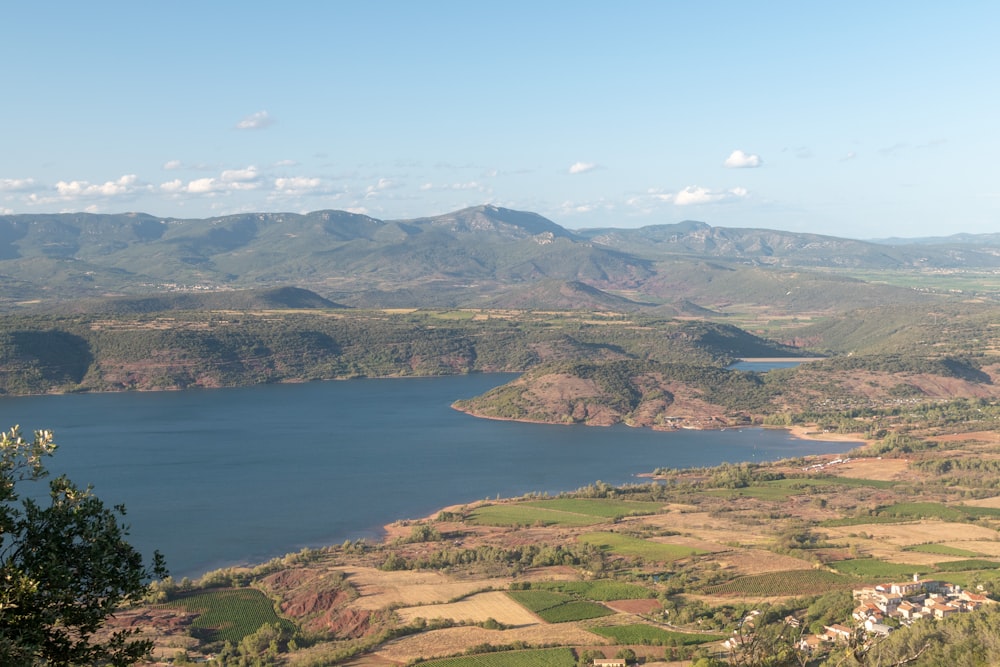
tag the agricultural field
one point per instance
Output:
(942, 550)
(555, 571)
(829, 483)
(551, 657)
(554, 607)
(625, 545)
(559, 512)
(890, 538)
(473, 609)
(972, 564)
(229, 615)
(776, 584)
(760, 492)
(378, 589)
(874, 569)
(638, 633)
(522, 514)
(454, 641)
(598, 507)
(602, 589)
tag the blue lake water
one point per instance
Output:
(217, 477)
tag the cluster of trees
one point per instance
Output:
(65, 566)
(505, 560)
(73, 352)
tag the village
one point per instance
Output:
(884, 607)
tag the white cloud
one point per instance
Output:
(240, 175)
(470, 185)
(382, 185)
(202, 186)
(175, 185)
(18, 185)
(125, 185)
(298, 185)
(694, 194)
(170, 165)
(285, 163)
(255, 121)
(740, 160)
(582, 167)
(6, 211)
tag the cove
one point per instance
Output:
(230, 476)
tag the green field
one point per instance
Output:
(967, 565)
(938, 511)
(760, 492)
(968, 579)
(600, 507)
(624, 545)
(863, 521)
(555, 607)
(791, 582)
(522, 514)
(941, 550)
(779, 489)
(924, 511)
(637, 633)
(574, 611)
(602, 589)
(804, 482)
(546, 657)
(229, 614)
(537, 601)
(559, 512)
(872, 568)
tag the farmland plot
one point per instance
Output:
(476, 609)
(449, 641)
(379, 589)
(916, 532)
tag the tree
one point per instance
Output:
(65, 566)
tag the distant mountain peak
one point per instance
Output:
(495, 220)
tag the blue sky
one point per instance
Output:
(858, 119)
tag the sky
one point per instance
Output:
(855, 119)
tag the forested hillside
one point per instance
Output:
(214, 348)
(484, 256)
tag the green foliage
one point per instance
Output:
(898, 364)
(967, 565)
(230, 615)
(830, 483)
(556, 607)
(789, 582)
(65, 566)
(605, 508)
(941, 550)
(927, 510)
(524, 514)
(574, 611)
(150, 350)
(625, 545)
(961, 639)
(424, 533)
(872, 568)
(539, 600)
(638, 633)
(549, 657)
(599, 589)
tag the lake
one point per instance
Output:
(219, 477)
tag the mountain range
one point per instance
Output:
(484, 256)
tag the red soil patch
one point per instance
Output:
(635, 606)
